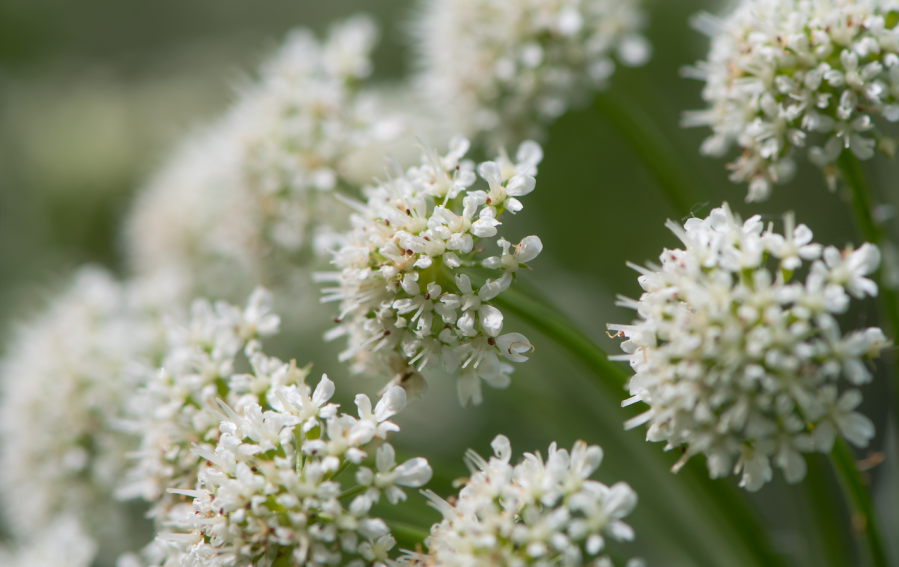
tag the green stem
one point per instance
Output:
(350, 492)
(826, 514)
(651, 147)
(612, 378)
(863, 520)
(407, 532)
(547, 320)
(872, 232)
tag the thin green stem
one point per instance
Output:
(546, 319)
(653, 149)
(408, 532)
(872, 232)
(358, 489)
(826, 513)
(612, 378)
(863, 520)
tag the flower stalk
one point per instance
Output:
(872, 232)
(653, 149)
(863, 519)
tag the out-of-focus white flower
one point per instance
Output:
(782, 75)
(244, 200)
(65, 373)
(505, 69)
(741, 364)
(534, 513)
(407, 302)
(62, 543)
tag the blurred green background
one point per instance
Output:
(93, 92)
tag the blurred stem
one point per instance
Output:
(871, 231)
(864, 523)
(408, 532)
(651, 146)
(826, 513)
(613, 377)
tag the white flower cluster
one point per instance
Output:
(259, 453)
(533, 513)
(63, 373)
(783, 71)
(508, 68)
(175, 408)
(62, 543)
(248, 194)
(407, 301)
(271, 490)
(741, 364)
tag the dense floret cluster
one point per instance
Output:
(507, 69)
(62, 374)
(742, 364)
(175, 407)
(407, 299)
(259, 453)
(534, 513)
(783, 75)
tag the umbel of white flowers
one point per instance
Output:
(534, 513)
(175, 408)
(244, 199)
(61, 543)
(738, 362)
(407, 288)
(506, 69)
(258, 453)
(60, 375)
(785, 74)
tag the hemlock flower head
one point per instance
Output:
(257, 453)
(785, 75)
(740, 363)
(506, 69)
(534, 513)
(64, 373)
(250, 194)
(415, 287)
(175, 407)
(272, 487)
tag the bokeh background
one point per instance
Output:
(94, 92)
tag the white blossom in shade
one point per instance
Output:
(250, 194)
(62, 543)
(507, 69)
(534, 513)
(272, 487)
(65, 373)
(175, 407)
(740, 362)
(193, 219)
(415, 288)
(782, 76)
